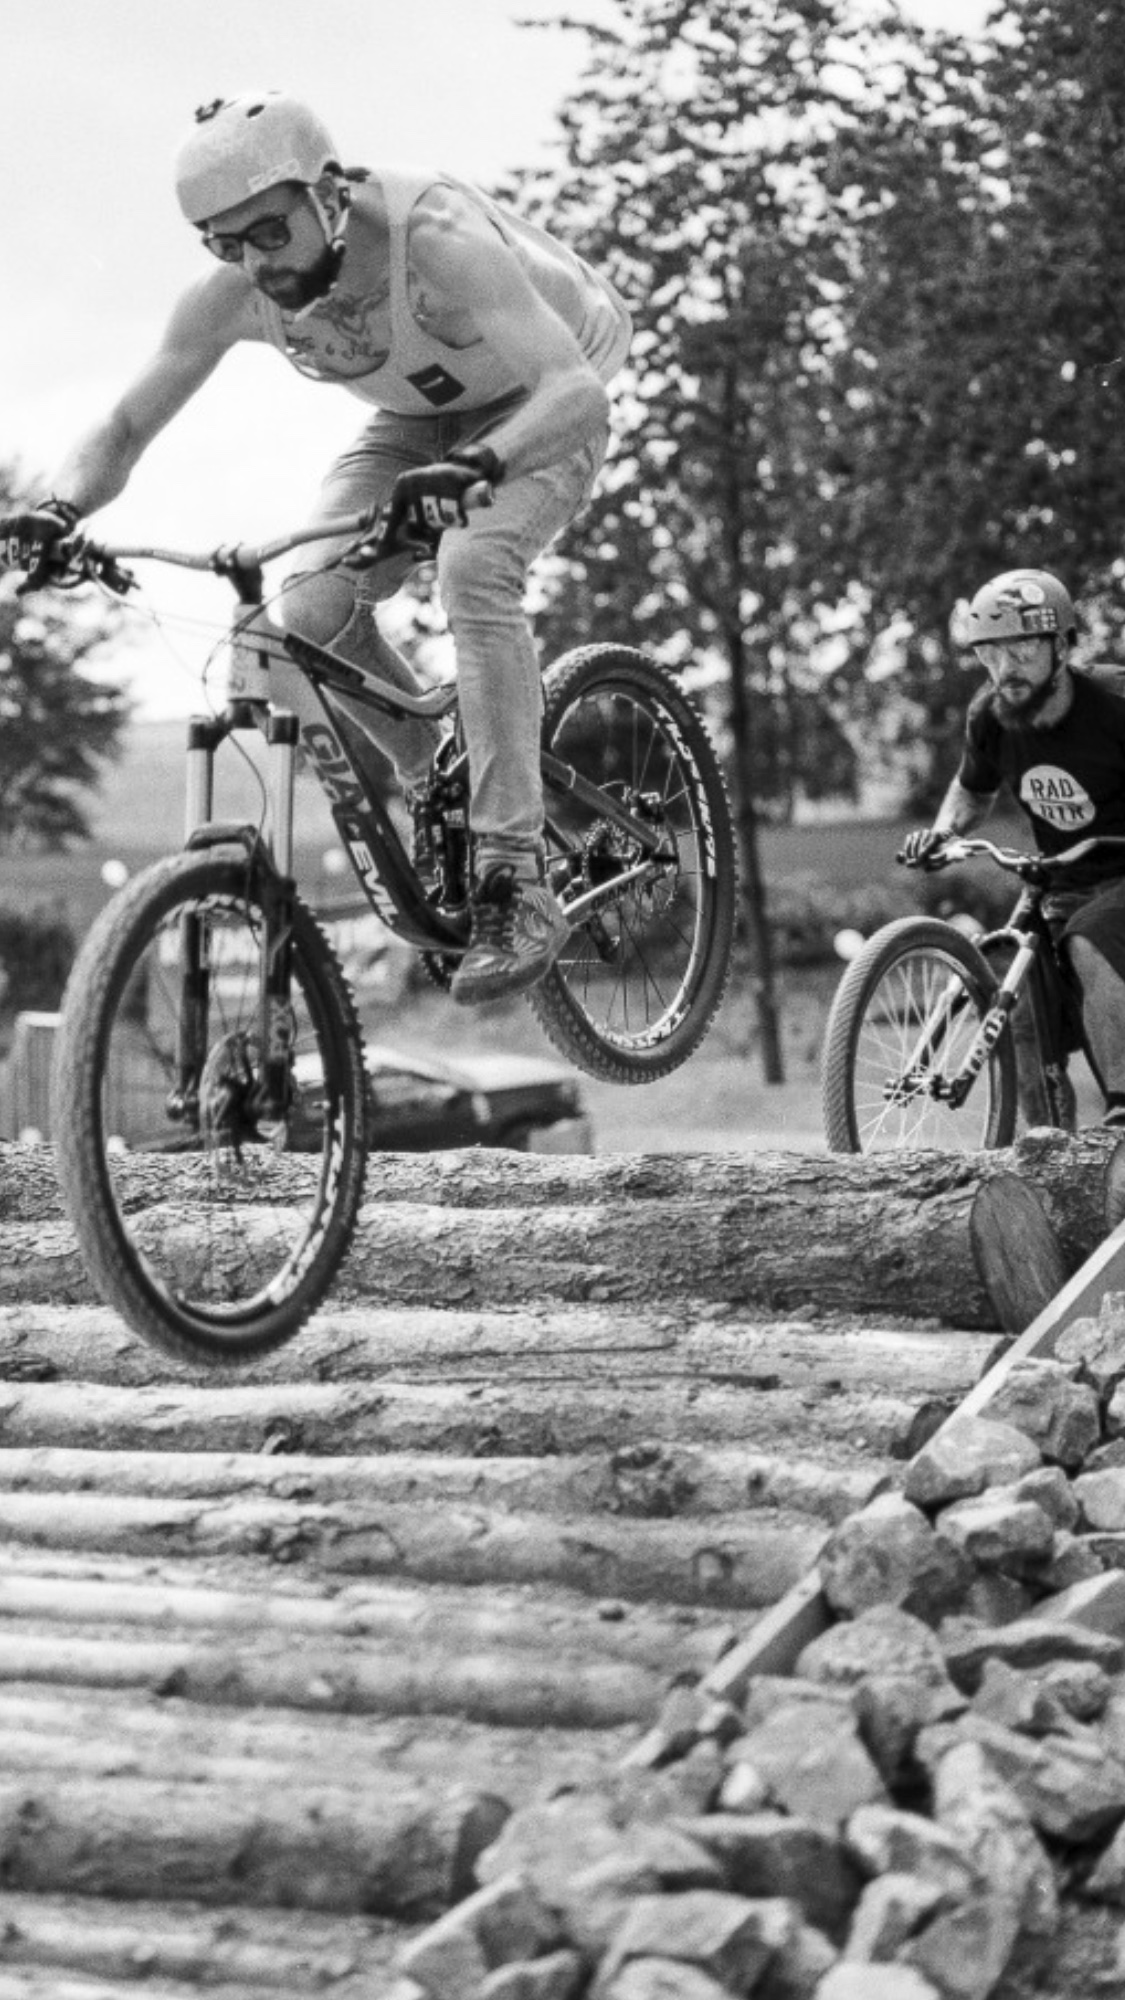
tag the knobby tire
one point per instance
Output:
(634, 992)
(124, 1166)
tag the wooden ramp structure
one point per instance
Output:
(280, 1649)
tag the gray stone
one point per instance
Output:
(769, 1691)
(965, 1949)
(1074, 1559)
(744, 1789)
(688, 1716)
(558, 1976)
(1106, 1882)
(967, 1455)
(690, 1785)
(1026, 1642)
(1107, 1457)
(773, 1854)
(885, 1641)
(891, 1910)
(552, 1839)
(1098, 1604)
(812, 1762)
(998, 1532)
(504, 1921)
(888, 1553)
(885, 1840)
(1101, 1496)
(851, 1980)
(797, 1967)
(1050, 1489)
(1060, 1415)
(728, 1937)
(663, 1979)
(893, 1667)
(1096, 1345)
(996, 1599)
(992, 1826)
(1068, 1786)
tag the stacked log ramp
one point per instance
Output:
(280, 1649)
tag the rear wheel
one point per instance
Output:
(640, 979)
(901, 1025)
(214, 1198)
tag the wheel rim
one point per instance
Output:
(630, 967)
(915, 1031)
(223, 1205)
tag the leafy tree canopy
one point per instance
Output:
(58, 725)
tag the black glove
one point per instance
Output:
(921, 850)
(433, 498)
(28, 537)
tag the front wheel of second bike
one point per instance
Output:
(211, 1144)
(643, 972)
(904, 1018)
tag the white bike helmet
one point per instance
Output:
(240, 145)
(1016, 605)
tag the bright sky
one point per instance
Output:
(95, 96)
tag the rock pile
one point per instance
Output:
(902, 1817)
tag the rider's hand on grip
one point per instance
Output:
(28, 537)
(434, 498)
(922, 849)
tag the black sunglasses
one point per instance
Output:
(269, 232)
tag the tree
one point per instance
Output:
(58, 726)
(694, 173)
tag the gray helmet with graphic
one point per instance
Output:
(1018, 604)
(241, 145)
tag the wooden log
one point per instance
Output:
(451, 1620)
(852, 1234)
(1070, 1170)
(728, 1561)
(666, 1480)
(391, 1855)
(852, 1428)
(1016, 1250)
(517, 1689)
(175, 1738)
(280, 1951)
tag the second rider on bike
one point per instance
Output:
(485, 345)
(1056, 737)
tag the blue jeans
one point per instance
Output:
(482, 573)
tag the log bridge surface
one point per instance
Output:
(280, 1648)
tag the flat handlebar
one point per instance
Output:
(374, 534)
(958, 847)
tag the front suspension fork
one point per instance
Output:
(272, 861)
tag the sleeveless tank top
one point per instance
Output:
(422, 374)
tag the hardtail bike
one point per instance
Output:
(208, 1081)
(939, 1039)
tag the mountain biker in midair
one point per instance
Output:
(1056, 737)
(485, 346)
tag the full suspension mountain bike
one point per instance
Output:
(937, 1039)
(209, 1085)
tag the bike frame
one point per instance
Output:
(327, 736)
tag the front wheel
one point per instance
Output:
(904, 1018)
(642, 974)
(210, 1144)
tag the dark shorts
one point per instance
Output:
(1095, 914)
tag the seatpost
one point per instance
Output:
(281, 736)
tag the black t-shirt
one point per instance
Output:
(1069, 780)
